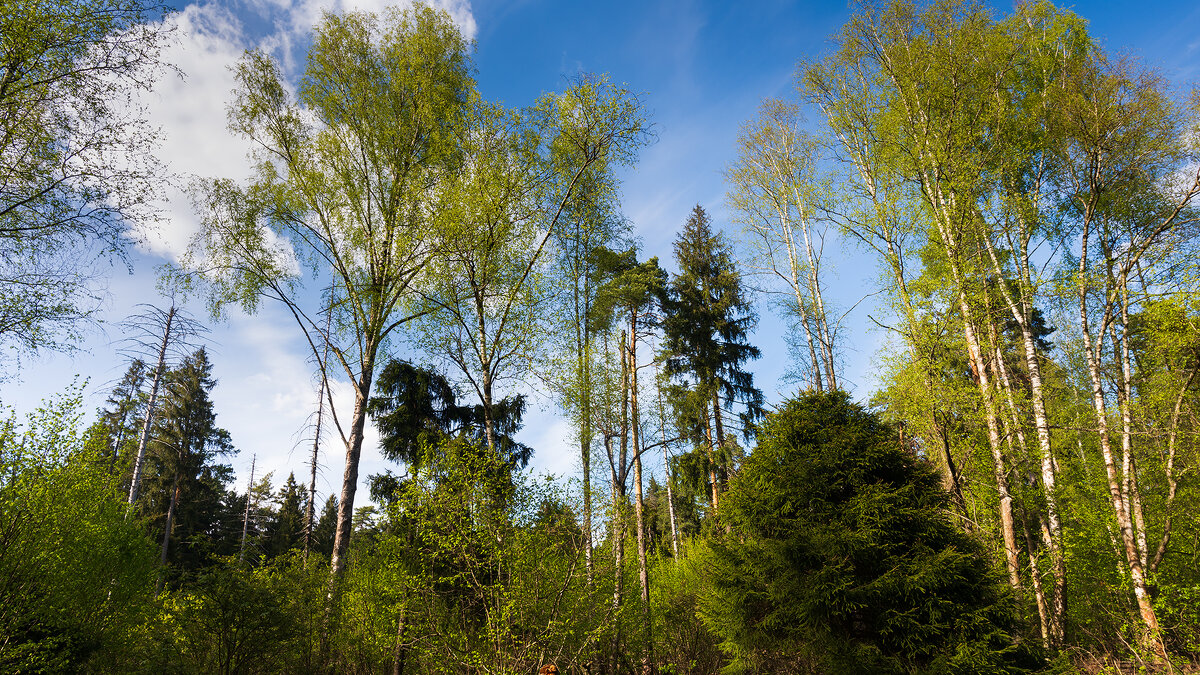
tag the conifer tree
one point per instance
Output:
(707, 319)
(844, 561)
(117, 425)
(415, 406)
(323, 532)
(189, 481)
(286, 530)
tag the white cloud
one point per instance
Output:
(190, 109)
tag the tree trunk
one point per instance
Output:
(585, 455)
(950, 476)
(825, 338)
(135, 484)
(618, 497)
(801, 306)
(945, 204)
(1172, 478)
(398, 651)
(1021, 310)
(489, 418)
(1039, 593)
(166, 540)
(1121, 511)
(635, 426)
(341, 541)
(719, 429)
(310, 512)
(618, 549)
(712, 462)
(1041, 422)
(662, 427)
(246, 517)
(1124, 402)
(583, 370)
(1119, 504)
(999, 466)
(1046, 612)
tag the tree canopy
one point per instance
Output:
(77, 168)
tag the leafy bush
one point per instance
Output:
(75, 574)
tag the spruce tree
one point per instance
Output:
(287, 528)
(843, 557)
(707, 319)
(323, 532)
(115, 432)
(188, 480)
(415, 406)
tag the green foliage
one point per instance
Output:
(683, 643)
(474, 569)
(236, 619)
(75, 574)
(75, 167)
(185, 481)
(523, 169)
(370, 85)
(842, 558)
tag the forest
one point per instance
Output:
(1019, 496)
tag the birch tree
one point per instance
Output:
(490, 291)
(966, 143)
(348, 173)
(77, 171)
(776, 195)
(1002, 151)
(1131, 178)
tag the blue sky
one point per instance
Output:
(702, 68)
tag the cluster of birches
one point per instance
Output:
(1020, 496)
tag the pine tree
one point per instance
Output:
(707, 319)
